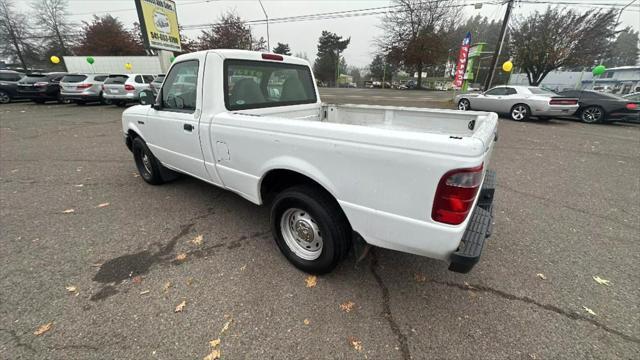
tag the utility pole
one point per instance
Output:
(496, 54)
(266, 17)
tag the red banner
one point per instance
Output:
(463, 56)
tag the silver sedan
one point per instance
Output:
(520, 102)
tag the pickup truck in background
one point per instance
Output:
(409, 179)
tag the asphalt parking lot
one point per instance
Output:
(108, 275)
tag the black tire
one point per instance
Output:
(5, 98)
(520, 112)
(105, 101)
(326, 215)
(464, 105)
(593, 115)
(152, 172)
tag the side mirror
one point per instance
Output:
(146, 97)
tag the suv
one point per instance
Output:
(41, 87)
(124, 88)
(9, 85)
(82, 88)
(156, 84)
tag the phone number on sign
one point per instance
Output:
(163, 37)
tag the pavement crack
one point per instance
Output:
(386, 306)
(525, 299)
(16, 339)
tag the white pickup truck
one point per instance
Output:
(409, 179)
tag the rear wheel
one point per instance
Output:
(4, 97)
(464, 105)
(520, 112)
(310, 228)
(592, 115)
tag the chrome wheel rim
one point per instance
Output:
(463, 105)
(4, 98)
(591, 115)
(146, 162)
(519, 112)
(301, 233)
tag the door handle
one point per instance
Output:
(188, 127)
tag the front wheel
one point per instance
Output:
(592, 115)
(4, 97)
(148, 166)
(464, 105)
(310, 229)
(520, 112)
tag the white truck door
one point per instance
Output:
(172, 124)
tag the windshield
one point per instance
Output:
(116, 79)
(541, 91)
(74, 78)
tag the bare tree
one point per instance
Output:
(414, 32)
(13, 32)
(560, 37)
(51, 16)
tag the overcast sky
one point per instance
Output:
(303, 35)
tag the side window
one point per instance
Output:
(495, 91)
(147, 79)
(179, 90)
(510, 91)
(138, 79)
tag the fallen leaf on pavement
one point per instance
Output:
(226, 326)
(136, 279)
(103, 205)
(311, 281)
(419, 277)
(214, 355)
(181, 257)
(144, 292)
(43, 329)
(601, 281)
(197, 240)
(166, 286)
(466, 284)
(541, 276)
(96, 265)
(589, 310)
(214, 343)
(189, 281)
(355, 343)
(79, 185)
(243, 267)
(347, 306)
(71, 289)
(306, 321)
(68, 211)
(181, 306)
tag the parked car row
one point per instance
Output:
(523, 102)
(117, 89)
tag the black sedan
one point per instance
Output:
(597, 107)
(9, 85)
(41, 87)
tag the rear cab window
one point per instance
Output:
(116, 79)
(259, 84)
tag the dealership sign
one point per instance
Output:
(159, 24)
(463, 56)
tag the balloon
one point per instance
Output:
(54, 59)
(598, 70)
(172, 58)
(507, 66)
(128, 66)
(90, 60)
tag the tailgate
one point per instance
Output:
(116, 89)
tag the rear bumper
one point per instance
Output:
(478, 229)
(82, 97)
(125, 97)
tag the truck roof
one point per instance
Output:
(243, 55)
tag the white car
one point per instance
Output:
(125, 88)
(409, 179)
(520, 102)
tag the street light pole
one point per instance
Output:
(267, 18)
(496, 54)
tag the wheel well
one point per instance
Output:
(277, 180)
(131, 135)
(525, 105)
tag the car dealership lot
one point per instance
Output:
(567, 208)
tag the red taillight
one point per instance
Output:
(272, 57)
(41, 84)
(129, 87)
(563, 101)
(83, 86)
(631, 106)
(455, 195)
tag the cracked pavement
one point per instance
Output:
(567, 206)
